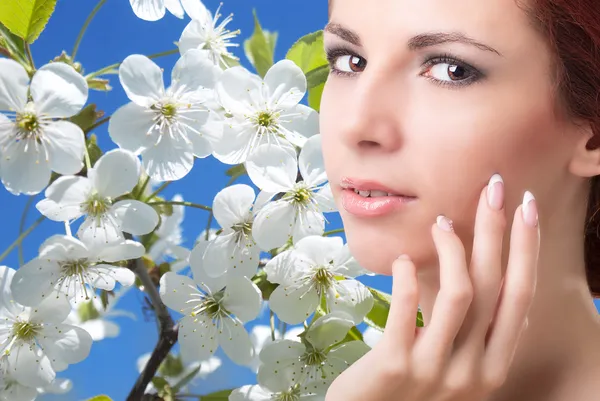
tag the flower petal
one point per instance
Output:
(194, 71)
(64, 198)
(233, 204)
(196, 10)
(31, 367)
(51, 310)
(280, 269)
(174, 7)
(234, 143)
(198, 266)
(293, 304)
(272, 168)
(105, 230)
(125, 250)
(235, 341)
(345, 355)
(242, 298)
(251, 393)
(14, 83)
(352, 297)
(64, 342)
(140, 77)
(300, 122)
(65, 143)
(310, 162)
(129, 127)
(329, 329)
(116, 173)
(286, 83)
(58, 90)
(324, 198)
(148, 10)
(169, 160)
(273, 224)
(24, 168)
(238, 89)
(176, 290)
(198, 337)
(108, 274)
(6, 297)
(309, 222)
(35, 281)
(281, 366)
(135, 217)
(318, 249)
(101, 329)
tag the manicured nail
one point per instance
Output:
(445, 223)
(530, 212)
(404, 257)
(495, 192)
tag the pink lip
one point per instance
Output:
(371, 207)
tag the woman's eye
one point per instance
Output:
(348, 64)
(449, 71)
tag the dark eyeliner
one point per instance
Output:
(446, 58)
(332, 54)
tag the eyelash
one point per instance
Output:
(445, 58)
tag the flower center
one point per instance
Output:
(301, 196)
(75, 267)
(28, 124)
(211, 307)
(169, 111)
(244, 229)
(266, 122)
(26, 331)
(96, 205)
(314, 357)
(322, 279)
(292, 394)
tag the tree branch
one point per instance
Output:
(167, 336)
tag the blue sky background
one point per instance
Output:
(114, 34)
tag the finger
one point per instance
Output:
(400, 326)
(486, 272)
(518, 286)
(453, 299)
(485, 268)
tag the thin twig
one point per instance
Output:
(21, 237)
(167, 336)
(84, 28)
(105, 70)
(29, 56)
(97, 124)
(159, 190)
(336, 231)
(22, 227)
(175, 203)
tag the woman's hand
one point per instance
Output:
(465, 352)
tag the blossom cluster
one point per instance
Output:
(51, 309)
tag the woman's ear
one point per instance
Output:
(586, 153)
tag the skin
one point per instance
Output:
(390, 122)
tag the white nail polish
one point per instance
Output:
(530, 212)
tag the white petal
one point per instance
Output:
(129, 125)
(262, 199)
(310, 162)
(35, 281)
(104, 231)
(58, 90)
(201, 146)
(309, 222)
(287, 84)
(125, 250)
(372, 336)
(170, 160)
(148, 10)
(272, 168)
(329, 329)
(14, 83)
(26, 172)
(346, 354)
(109, 274)
(324, 198)
(196, 10)
(174, 7)
(242, 298)
(300, 122)
(67, 343)
(65, 143)
(280, 269)
(176, 290)
(136, 218)
(198, 266)
(64, 198)
(251, 393)
(101, 329)
(63, 247)
(141, 79)
(235, 341)
(319, 250)
(116, 173)
(6, 297)
(194, 71)
(233, 204)
(32, 368)
(352, 297)
(234, 144)
(281, 364)
(273, 224)
(215, 260)
(345, 264)
(237, 90)
(51, 310)
(59, 386)
(198, 337)
(193, 35)
(294, 304)
(18, 392)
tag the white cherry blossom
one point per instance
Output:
(69, 267)
(262, 111)
(12, 390)
(37, 342)
(114, 174)
(205, 33)
(316, 267)
(165, 125)
(261, 335)
(214, 312)
(233, 251)
(34, 140)
(153, 10)
(299, 212)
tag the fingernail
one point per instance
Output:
(530, 212)
(526, 324)
(495, 192)
(404, 257)
(445, 223)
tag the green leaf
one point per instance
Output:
(93, 149)
(260, 48)
(222, 395)
(13, 44)
(86, 117)
(100, 398)
(26, 18)
(236, 170)
(308, 53)
(185, 380)
(377, 317)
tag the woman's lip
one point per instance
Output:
(361, 206)
(370, 185)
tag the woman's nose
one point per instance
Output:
(374, 112)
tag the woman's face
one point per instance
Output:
(430, 98)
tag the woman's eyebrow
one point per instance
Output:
(417, 42)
